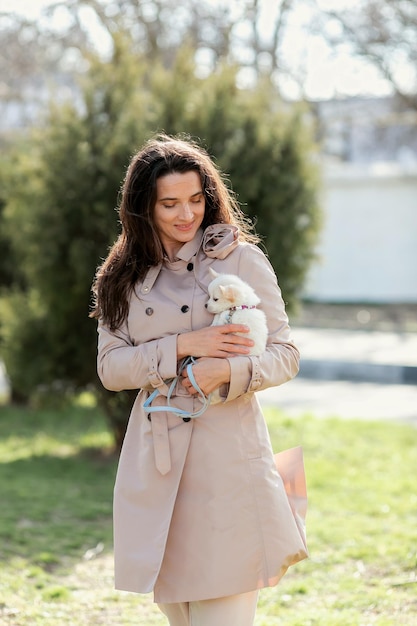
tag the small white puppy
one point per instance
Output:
(234, 301)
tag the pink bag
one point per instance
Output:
(290, 466)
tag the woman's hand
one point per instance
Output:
(214, 341)
(209, 374)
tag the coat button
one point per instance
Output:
(145, 289)
(149, 310)
(185, 308)
(190, 267)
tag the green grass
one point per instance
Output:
(56, 481)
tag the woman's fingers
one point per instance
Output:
(232, 328)
(231, 340)
(214, 341)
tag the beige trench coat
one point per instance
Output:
(199, 508)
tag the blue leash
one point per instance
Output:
(188, 365)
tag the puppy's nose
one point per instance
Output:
(206, 304)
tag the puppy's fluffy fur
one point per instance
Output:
(227, 291)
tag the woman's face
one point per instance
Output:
(179, 209)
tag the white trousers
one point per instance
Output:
(238, 610)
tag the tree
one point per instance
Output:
(62, 220)
(273, 172)
(39, 57)
(384, 32)
(61, 223)
(35, 63)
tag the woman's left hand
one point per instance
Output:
(209, 374)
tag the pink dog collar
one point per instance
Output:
(241, 307)
(238, 308)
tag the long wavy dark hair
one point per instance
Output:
(138, 246)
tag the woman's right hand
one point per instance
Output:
(214, 341)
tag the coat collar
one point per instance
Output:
(219, 240)
(188, 250)
(216, 242)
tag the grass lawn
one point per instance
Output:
(56, 482)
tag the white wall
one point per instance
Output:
(368, 243)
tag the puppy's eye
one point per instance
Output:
(215, 299)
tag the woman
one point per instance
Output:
(200, 513)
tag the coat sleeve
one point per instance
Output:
(122, 365)
(280, 361)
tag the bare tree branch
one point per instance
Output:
(383, 32)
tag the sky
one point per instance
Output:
(326, 74)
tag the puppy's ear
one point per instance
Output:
(213, 272)
(228, 293)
